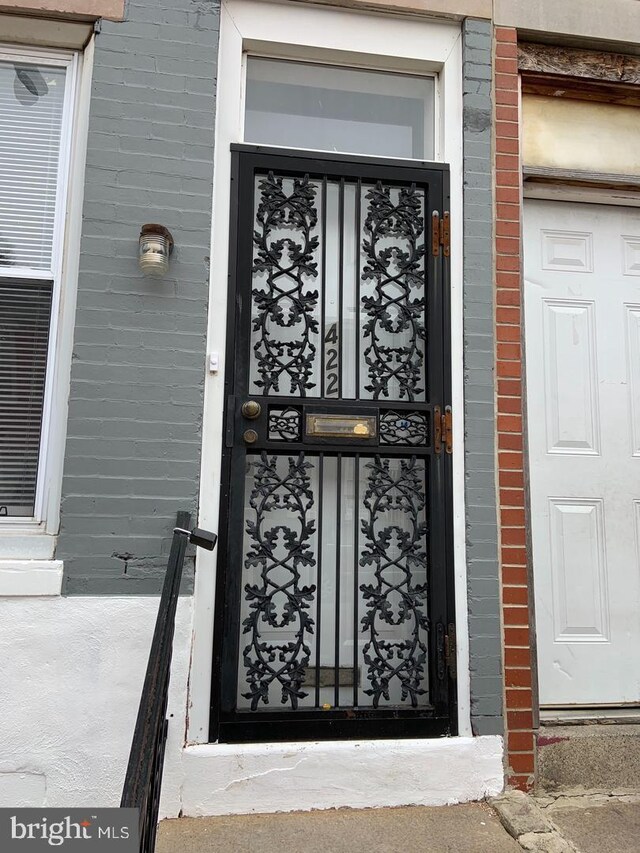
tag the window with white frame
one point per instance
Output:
(36, 93)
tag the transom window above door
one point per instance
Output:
(334, 108)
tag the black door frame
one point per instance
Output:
(226, 723)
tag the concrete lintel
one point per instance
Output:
(18, 29)
(617, 21)
(86, 10)
(432, 8)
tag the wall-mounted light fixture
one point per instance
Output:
(155, 246)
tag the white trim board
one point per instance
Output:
(30, 577)
(367, 40)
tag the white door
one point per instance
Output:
(582, 328)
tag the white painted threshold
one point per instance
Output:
(222, 779)
(30, 577)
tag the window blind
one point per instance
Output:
(31, 111)
(32, 100)
(25, 314)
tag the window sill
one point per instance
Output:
(30, 577)
(26, 541)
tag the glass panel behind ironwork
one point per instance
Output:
(334, 582)
(338, 289)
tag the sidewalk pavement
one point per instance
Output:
(572, 820)
(595, 822)
(468, 828)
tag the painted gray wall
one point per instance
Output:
(479, 410)
(135, 412)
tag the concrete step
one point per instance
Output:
(595, 756)
(469, 828)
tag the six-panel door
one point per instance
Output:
(582, 271)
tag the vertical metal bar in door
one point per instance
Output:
(356, 555)
(323, 289)
(319, 589)
(357, 306)
(340, 284)
(336, 675)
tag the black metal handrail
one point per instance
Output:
(143, 779)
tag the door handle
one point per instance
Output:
(251, 410)
(250, 436)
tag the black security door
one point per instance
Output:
(334, 599)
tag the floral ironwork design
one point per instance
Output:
(284, 323)
(396, 550)
(280, 600)
(284, 424)
(403, 428)
(395, 331)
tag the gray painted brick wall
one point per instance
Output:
(480, 486)
(135, 414)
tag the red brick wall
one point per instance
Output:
(513, 555)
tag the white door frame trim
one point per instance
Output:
(310, 32)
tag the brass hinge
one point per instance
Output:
(445, 234)
(437, 429)
(447, 429)
(440, 234)
(442, 430)
(450, 650)
(435, 233)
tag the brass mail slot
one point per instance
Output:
(326, 677)
(341, 426)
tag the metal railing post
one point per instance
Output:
(143, 779)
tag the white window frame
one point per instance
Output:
(33, 539)
(432, 75)
(357, 39)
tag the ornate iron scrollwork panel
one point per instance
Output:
(285, 424)
(284, 300)
(280, 558)
(395, 622)
(402, 428)
(394, 306)
(343, 263)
